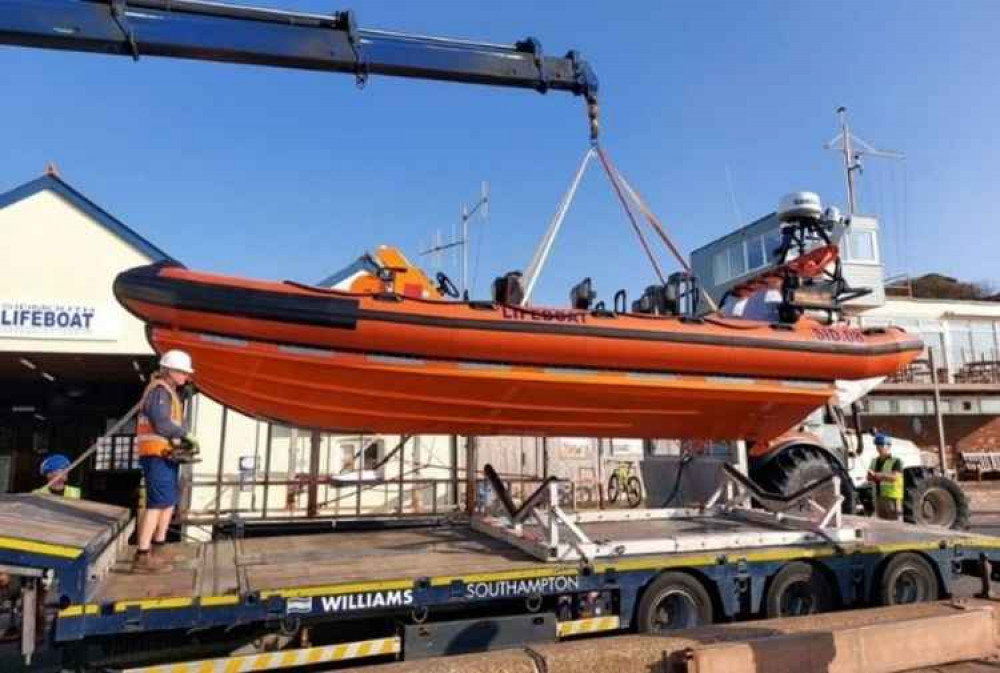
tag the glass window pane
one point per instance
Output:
(755, 252)
(737, 263)
(862, 246)
(772, 241)
(720, 266)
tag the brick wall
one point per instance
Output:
(961, 432)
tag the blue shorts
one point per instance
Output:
(161, 481)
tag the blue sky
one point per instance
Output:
(283, 174)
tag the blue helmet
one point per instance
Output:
(882, 439)
(54, 463)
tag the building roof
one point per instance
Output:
(52, 182)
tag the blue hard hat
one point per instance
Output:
(882, 439)
(54, 463)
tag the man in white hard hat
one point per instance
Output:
(163, 443)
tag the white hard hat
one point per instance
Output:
(178, 361)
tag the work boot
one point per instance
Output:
(148, 563)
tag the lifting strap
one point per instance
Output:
(662, 233)
(612, 176)
(545, 245)
(626, 194)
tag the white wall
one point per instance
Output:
(52, 253)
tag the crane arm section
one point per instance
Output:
(211, 31)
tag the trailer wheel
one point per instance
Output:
(674, 600)
(931, 499)
(907, 578)
(798, 589)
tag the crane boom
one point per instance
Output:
(211, 31)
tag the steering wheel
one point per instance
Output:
(445, 286)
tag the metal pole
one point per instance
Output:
(600, 474)
(848, 162)
(454, 471)
(222, 464)
(471, 462)
(545, 458)
(267, 470)
(312, 502)
(937, 411)
(402, 468)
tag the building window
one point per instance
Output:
(756, 258)
(720, 266)
(737, 261)
(116, 452)
(772, 242)
(861, 246)
(988, 405)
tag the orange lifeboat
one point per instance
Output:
(409, 361)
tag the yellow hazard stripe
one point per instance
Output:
(285, 659)
(335, 589)
(579, 627)
(154, 604)
(79, 610)
(61, 551)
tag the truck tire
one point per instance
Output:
(907, 578)
(673, 601)
(798, 466)
(798, 589)
(935, 500)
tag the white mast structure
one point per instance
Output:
(481, 206)
(853, 149)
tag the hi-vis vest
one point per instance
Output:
(889, 489)
(147, 441)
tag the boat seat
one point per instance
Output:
(508, 289)
(582, 295)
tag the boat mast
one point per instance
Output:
(852, 149)
(480, 206)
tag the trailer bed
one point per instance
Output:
(300, 564)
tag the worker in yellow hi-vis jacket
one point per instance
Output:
(886, 472)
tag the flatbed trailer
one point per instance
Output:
(488, 583)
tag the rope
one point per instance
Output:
(93, 447)
(612, 176)
(654, 222)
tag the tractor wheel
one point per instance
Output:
(934, 500)
(800, 465)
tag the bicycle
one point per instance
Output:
(624, 479)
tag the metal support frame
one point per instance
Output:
(557, 535)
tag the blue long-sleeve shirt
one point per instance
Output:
(157, 410)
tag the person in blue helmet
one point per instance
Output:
(54, 470)
(886, 472)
